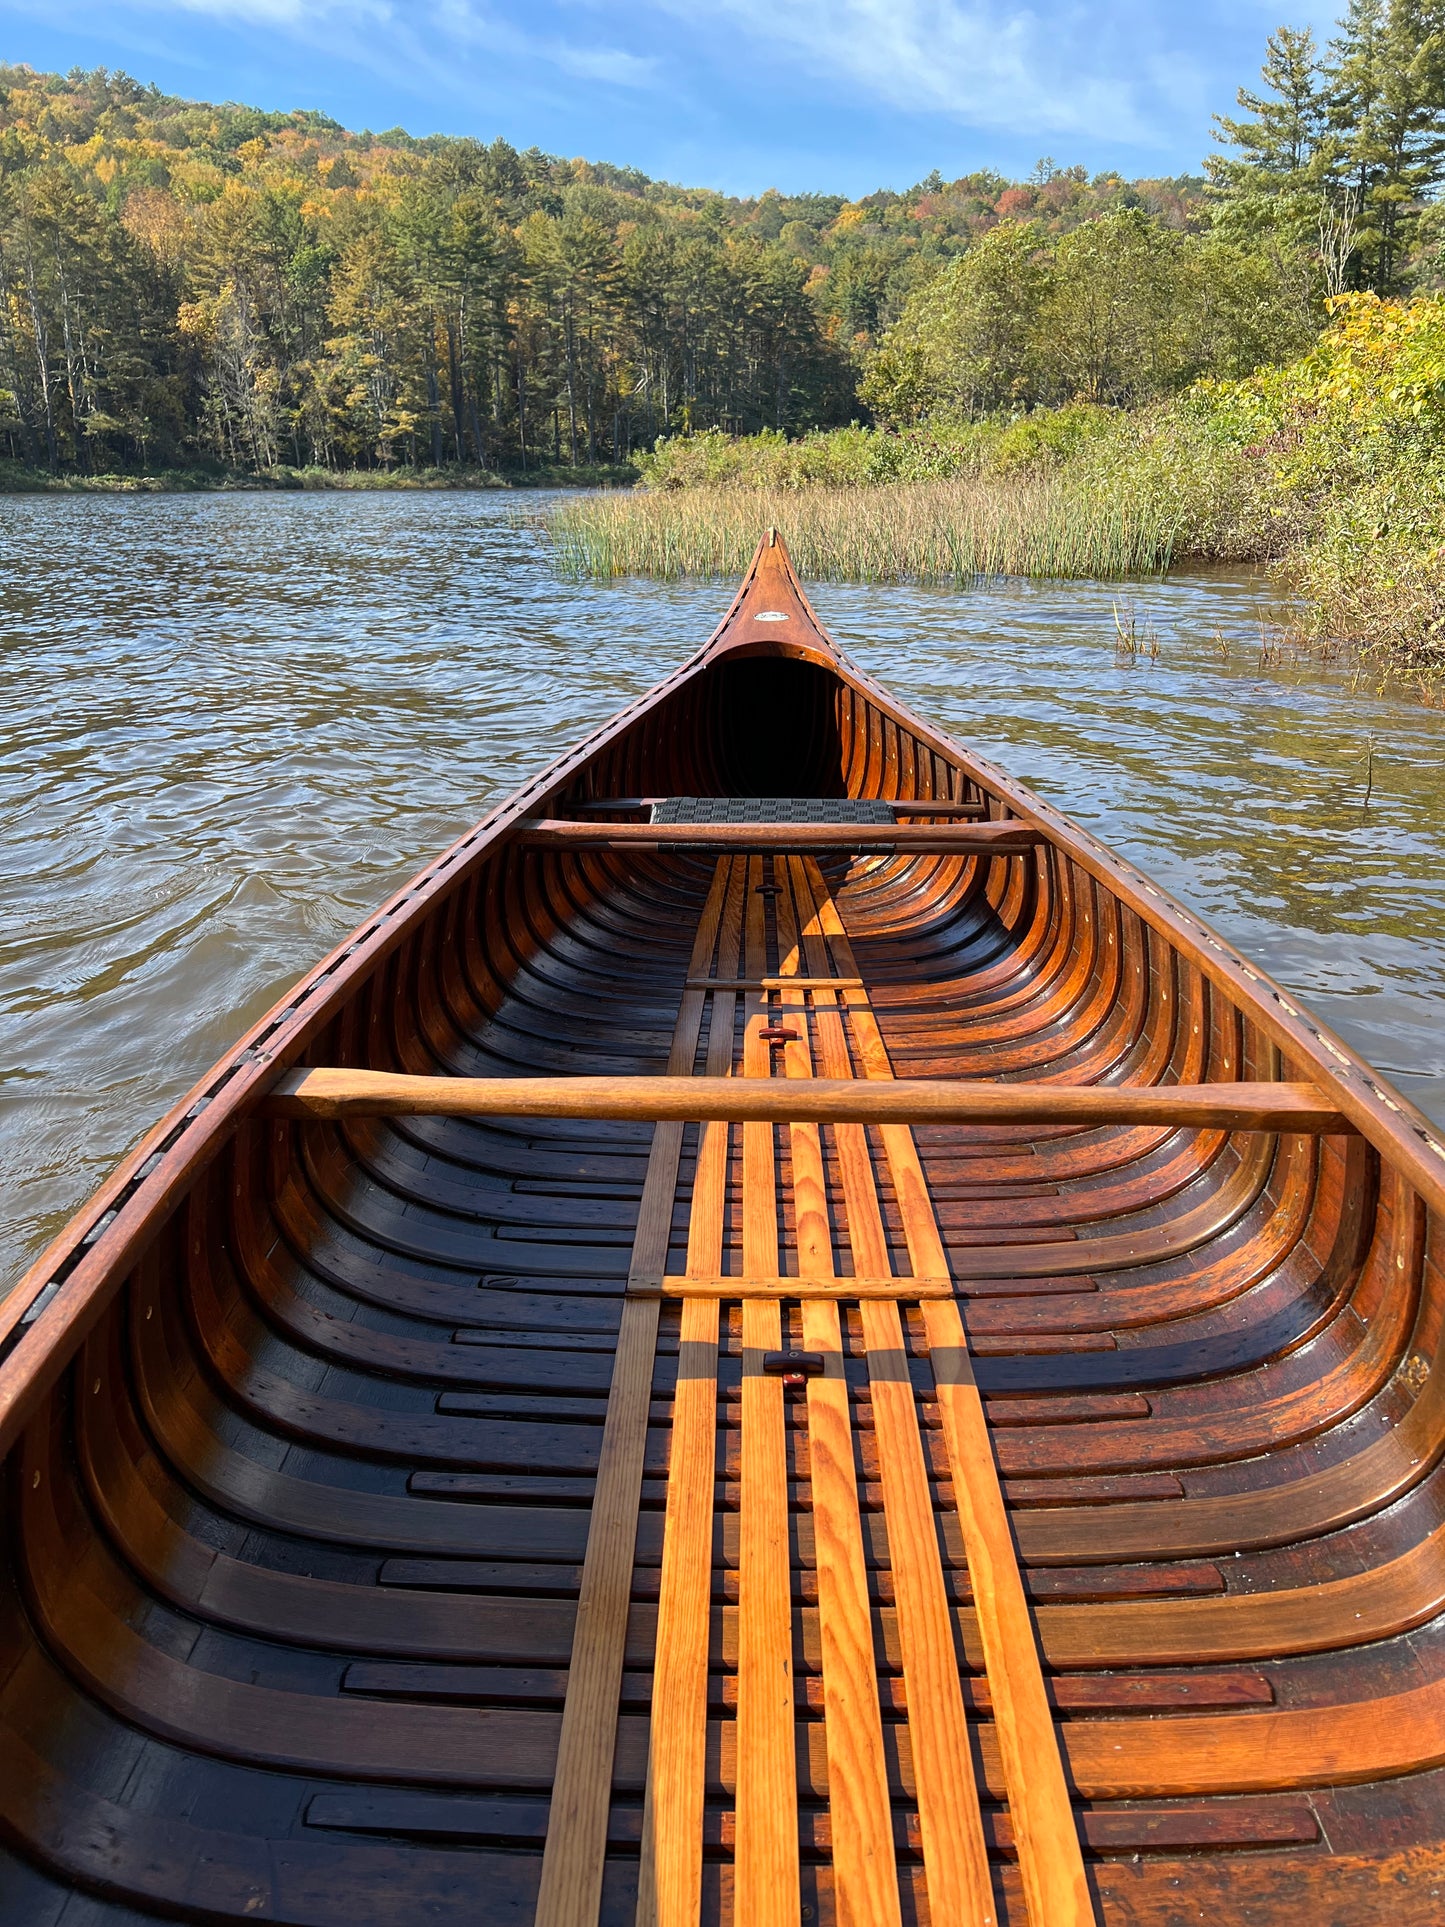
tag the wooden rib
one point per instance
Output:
(334, 1092)
(861, 1822)
(570, 1890)
(670, 1880)
(955, 1852)
(1051, 1863)
(765, 1867)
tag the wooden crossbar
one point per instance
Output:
(906, 839)
(758, 1098)
(901, 806)
(800, 1290)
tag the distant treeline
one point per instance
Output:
(181, 282)
(186, 285)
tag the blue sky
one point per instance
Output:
(844, 95)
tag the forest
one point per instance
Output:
(213, 288)
(184, 285)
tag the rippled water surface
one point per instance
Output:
(231, 724)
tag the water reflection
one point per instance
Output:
(233, 723)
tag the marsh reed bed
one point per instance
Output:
(947, 531)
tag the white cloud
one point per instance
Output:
(983, 64)
(286, 13)
(608, 64)
(426, 35)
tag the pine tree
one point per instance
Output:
(1387, 117)
(1278, 144)
(1280, 176)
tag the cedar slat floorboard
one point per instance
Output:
(670, 1877)
(864, 1869)
(572, 1862)
(765, 1860)
(399, 1524)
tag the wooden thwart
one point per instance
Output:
(908, 839)
(916, 806)
(326, 1092)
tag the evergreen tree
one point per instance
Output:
(1387, 119)
(1277, 146)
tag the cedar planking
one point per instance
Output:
(399, 1525)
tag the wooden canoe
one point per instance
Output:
(823, 1352)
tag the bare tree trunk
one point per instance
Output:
(74, 372)
(41, 341)
(571, 339)
(454, 375)
(434, 398)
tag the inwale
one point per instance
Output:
(996, 1476)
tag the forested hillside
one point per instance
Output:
(182, 283)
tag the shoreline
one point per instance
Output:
(284, 480)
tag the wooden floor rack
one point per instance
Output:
(766, 1738)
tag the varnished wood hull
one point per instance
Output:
(302, 1446)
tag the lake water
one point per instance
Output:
(233, 723)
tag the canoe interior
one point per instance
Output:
(296, 1517)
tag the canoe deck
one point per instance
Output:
(412, 1522)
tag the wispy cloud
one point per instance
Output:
(429, 35)
(611, 65)
(281, 13)
(986, 65)
(735, 92)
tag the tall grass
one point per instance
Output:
(949, 531)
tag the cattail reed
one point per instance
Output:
(950, 531)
